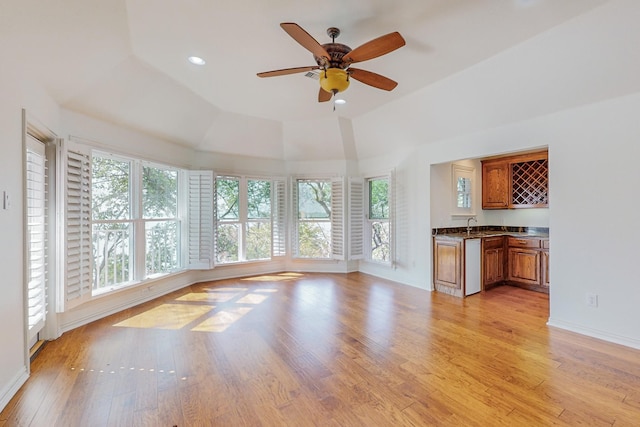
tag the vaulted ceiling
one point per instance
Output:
(125, 62)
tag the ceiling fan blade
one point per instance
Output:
(305, 39)
(374, 48)
(324, 96)
(372, 79)
(286, 71)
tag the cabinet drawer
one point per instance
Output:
(515, 242)
(493, 242)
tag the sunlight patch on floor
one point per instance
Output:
(252, 299)
(220, 321)
(167, 316)
(208, 296)
(226, 289)
(274, 277)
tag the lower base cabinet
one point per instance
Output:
(447, 266)
(493, 261)
(517, 261)
(545, 268)
(528, 263)
(524, 266)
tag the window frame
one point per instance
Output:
(244, 221)
(462, 171)
(370, 220)
(137, 223)
(335, 220)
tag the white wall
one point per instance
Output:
(595, 179)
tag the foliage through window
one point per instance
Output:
(314, 218)
(244, 219)
(378, 219)
(135, 221)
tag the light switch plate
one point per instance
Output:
(6, 201)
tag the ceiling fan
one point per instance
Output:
(335, 59)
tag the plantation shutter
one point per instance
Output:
(36, 217)
(392, 213)
(295, 216)
(356, 218)
(75, 226)
(200, 220)
(337, 218)
(278, 218)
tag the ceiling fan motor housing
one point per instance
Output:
(336, 52)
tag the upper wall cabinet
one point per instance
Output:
(513, 182)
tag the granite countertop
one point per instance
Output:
(460, 233)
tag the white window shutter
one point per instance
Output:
(392, 220)
(76, 250)
(337, 218)
(278, 218)
(36, 217)
(294, 218)
(356, 218)
(200, 220)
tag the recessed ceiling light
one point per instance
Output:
(197, 60)
(340, 101)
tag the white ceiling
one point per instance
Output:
(125, 61)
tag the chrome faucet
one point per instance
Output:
(468, 224)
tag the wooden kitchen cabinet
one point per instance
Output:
(528, 262)
(545, 263)
(512, 260)
(495, 185)
(524, 266)
(512, 182)
(493, 261)
(447, 266)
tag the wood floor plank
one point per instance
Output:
(294, 349)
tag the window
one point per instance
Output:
(318, 231)
(463, 190)
(378, 224)
(244, 213)
(160, 215)
(371, 223)
(124, 220)
(135, 225)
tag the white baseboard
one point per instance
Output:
(12, 387)
(595, 333)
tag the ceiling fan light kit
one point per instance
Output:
(334, 80)
(335, 59)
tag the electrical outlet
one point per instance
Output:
(592, 300)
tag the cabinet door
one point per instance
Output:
(524, 266)
(495, 185)
(545, 268)
(447, 266)
(493, 266)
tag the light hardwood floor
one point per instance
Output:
(329, 349)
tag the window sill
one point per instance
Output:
(132, 285)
